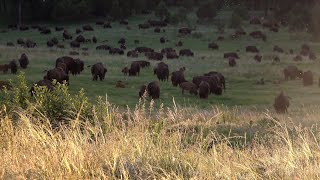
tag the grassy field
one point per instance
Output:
(241, 87)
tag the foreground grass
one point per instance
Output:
(171, 143)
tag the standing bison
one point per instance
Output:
(307, 78)
(24, 61)
(162, 72)
(177, 77)
(98, 70)
(189, 86)
(292, 72)
(13, 66)
(204, 90)
(281, 103)
(154, 90)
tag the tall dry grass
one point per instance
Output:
(171, 143)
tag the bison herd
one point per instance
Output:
(201, 85)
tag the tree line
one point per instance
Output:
(40, 10)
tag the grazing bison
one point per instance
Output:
(189, 86)
(154, 90)
(142, 63)
(143, 89)
(185, 31)
(72, 65)
(162, 40)
(144, 49)
(258, 35)
(204, 90)
(29, 44)
(177, 77)
(186, 52)
(13, 66)
(172, 55)
(107, 26)
(66, 35)
(103, 47)
(75, 44)
(307, 78)
(87, 28)
(58, 74)
(125, 71)
(144, 26)
(80, 39)
(162, 71)
(94, 39)
(4, 68)
(297, 58)
(213, 45)
(63, 66)
(213, 81)
(232, 62)
(120, 84)
(98, 70)
(281, 103)
(5, 85)
(50, 44)
(124, 22)
(43, 83)
(114, 51)
(20, 41)
(134, 69)
(292, 72)
(59, 28)
(46, 31)
(24, 61)
(219, 76)
(132, 54)
(278, 49)
(258, 58)
(252, 49)
(231, 54)
(154, 56)
(122, 41)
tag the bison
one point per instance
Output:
(42, 83)
(204, 90)
(281, 103)
(13, 66)
(58, 74)
(177, 77)
(98, 70)
(189, 86)
(24, 61)
(186, 52)
(4, 68)
(252, 49)
(143, 89)
(307, 78)
(162, 71)
(154, 90)
(134, 69)
(292, 72)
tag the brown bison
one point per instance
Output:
(43, 83)
(258, 58)
(58, 74)
(154, 56)
(219, 76)
(204, 90)
(278, 49)
(307, 78)
(144, 26)
(125, 71)
(213, 81)
(143, 89)
(80, 39)
(154, 90)
(114, 51)
(292, 72)
(162, 71)
(134, 69)
(185, 31)
(132, 54)
(13, 66)
(281, 103)
(231, 54)
(162, 40)
(59, 28)
(66, 35)
(24, 61)
(177, 77)
(252, 49)
(87, 28)
(4, 68)
(144, 49)
(142, 63)
(213, 45)
(189, 86)
(120, 84)
(75, 66)
(232, 62)
(186, 52)
(103, 47)
(98, 70)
